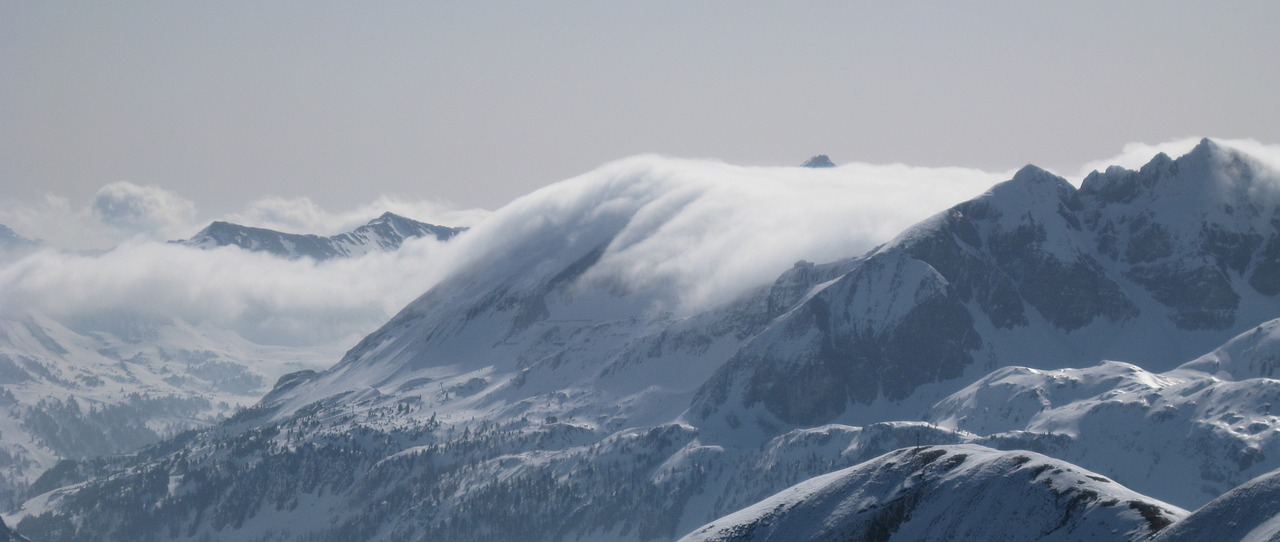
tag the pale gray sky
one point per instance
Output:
(477, 103)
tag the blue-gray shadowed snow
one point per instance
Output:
(1153, 267)
(12, 243)
(7, 535)
(1187, 434)
(960, 492)
(386, 232)
(818, 161)
(559, 384)
(1249, 513)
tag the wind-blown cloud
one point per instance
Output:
(123, 211)
(266, 299)
(694, 233)
(700, 231)
(1135, 155)
(149, 211)
(690, 234)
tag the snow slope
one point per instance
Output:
(610, 361)
(1249, 513)
(961, 492)
(113, 382)
(7, 535)
(1187, 434)
(1152, 267)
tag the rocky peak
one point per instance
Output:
(819, 161)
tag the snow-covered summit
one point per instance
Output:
(1034, 270)
(11, 242)
(961, 492)
(387, 232)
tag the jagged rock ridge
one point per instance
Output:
(818, 161)
(1151, 266)
(387, 232)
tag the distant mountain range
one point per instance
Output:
(387, 232)
(10, 241)
(957, 382)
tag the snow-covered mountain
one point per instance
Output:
(1187, 435)
(1249, 513)
(961, 492)
(387, 232)
(7, 535)
(12, 244)
(563, 382)
(1151, 266)
(112, 382)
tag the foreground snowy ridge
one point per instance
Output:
(961, 492)
(584, 373)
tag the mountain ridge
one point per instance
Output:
(536, 387)
(386, 232)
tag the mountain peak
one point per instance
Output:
(387, 232)
(1032, 173)
(819, 161)
(10, 239)
(1205, 145)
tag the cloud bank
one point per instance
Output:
(122, 211)
(265, 299)
(143, 210)
(694, 234)
(1135, 155)
(690, 233)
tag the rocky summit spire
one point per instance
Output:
(820, 160)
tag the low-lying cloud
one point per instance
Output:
(143, 210)
(266, 299)
(301, 215)
(694, 234)
(690, 233)
(1135, 155)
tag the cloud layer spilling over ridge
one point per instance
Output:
(1134, 155)
(700, 232)
(689, 234)
(123, 211)
(697, 233)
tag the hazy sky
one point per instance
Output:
(476, 103)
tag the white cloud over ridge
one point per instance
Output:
(143, 210)
(1135, 155)
(701, 231)
(301, 215)
(696, 232)
(266, 299)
